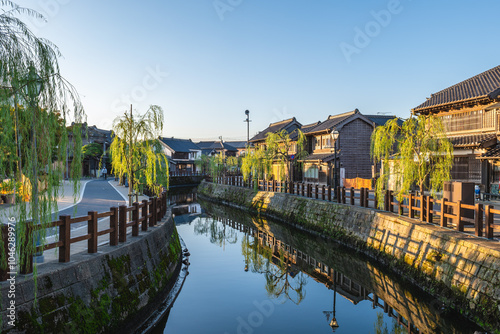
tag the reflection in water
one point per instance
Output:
(219, 233)
(226, 282)
(352, 276)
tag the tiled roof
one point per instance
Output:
(332, 121)
(216, 145)
(274, 127)
(319, 157)
(237, 144)
(472, 140)
(494, 153)
(180, 145)
(482, 86)
(309, 127)
(380, 120)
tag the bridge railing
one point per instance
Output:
(143, 215)
(482, 220)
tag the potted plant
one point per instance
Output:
(8, 191)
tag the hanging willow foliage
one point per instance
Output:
(136, 151)
(36, 102)
(277, 151)
(414, 153)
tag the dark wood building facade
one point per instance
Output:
(470, 112)
(352, 159)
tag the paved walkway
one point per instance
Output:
(95, 195)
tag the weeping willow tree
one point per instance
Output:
(256, 164)
(280, 151)
(414, 153)
(137, 153)
(36, 103)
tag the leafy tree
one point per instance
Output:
(35, 104)
(92, 150)
(415, 152)
(276, 151)
(203, 163)
(136, 151)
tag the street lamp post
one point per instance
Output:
(248, 125)
(335, 136)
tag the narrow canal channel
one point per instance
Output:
(251, 275)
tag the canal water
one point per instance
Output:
(248, 275)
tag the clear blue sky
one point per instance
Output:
(205, 62)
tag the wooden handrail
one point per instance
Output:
(117, 229)
(420, 207)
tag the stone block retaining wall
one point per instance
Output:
(111, 291)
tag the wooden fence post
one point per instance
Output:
(113, 224)
(386, 200)
(422, 208)
(391, 201)
(122, 223)
(65, 236)
(26, 264)
(362, 197)
(135, 219)
(329, 193)
(5, 250)
(92, 230)
(323, 194)
(352, 195)
(430, 209)
(144, 215)
(489, 221)
(316, 191)
(410, 205)
(444, 210)
(343, 196)
(152, 208)
(478, 221)
(158, 210)
(460, 223)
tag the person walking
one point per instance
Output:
(105, 173)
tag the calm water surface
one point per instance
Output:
(251, 275)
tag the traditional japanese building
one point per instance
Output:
(181, 153)
(470, 111)
(217, 147)
(339, 149)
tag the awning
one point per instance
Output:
(318, 157)
(474, 141)
(492, 154)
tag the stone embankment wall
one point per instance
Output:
(463, 270)
(111, 291)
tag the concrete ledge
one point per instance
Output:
(96, 293)
(463, 270)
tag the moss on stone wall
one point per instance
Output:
(113, 288)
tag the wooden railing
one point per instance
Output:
(479, 219)
(143, 215)
(185, 173)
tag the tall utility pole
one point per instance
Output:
(248, 125)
